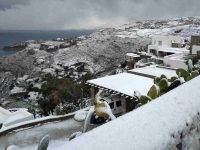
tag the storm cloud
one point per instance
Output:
(68, 14)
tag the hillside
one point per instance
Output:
(101, 51)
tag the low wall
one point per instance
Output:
(171, 121)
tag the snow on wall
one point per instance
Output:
(175, 61)
(169, 122)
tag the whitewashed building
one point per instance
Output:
(167, 45)
(121, 88)
(176, 61)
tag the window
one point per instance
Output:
(111, 105)
(160, 43)
(119, 103)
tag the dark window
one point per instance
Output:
(160, 43)
(111, 105)
(119, 103)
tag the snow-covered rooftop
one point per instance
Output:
(173, 50)
(148, 127)
(154, 71)
(124, 83)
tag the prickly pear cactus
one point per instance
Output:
(172, 79)
(183, 73)
(157, 80)
(192, 75)
(144, 99)
(44, 142)
(153, 92)
(163, 85)
(163, 76)
(174, 84)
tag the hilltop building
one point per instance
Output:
(167, 45)
(120, 89)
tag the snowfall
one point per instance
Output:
(149, 127)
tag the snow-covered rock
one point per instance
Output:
(33, 95)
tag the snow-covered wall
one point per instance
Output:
(170, 122)
(175, 61)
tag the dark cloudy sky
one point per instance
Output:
(67, 14)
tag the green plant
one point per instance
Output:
(144, 99)
(174, 84)
(182, 73)
(163, 85)
(172, 79)
(163, 76)
(154, 92)
(157, 80)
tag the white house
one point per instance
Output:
(121, 88)
(10, 117)
(167, 45)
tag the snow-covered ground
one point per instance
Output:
(29, 138)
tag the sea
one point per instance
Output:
(10, 37)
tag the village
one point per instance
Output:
(169, 62)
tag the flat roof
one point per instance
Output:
(154, 71)
(124, 83)
(173, 50)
